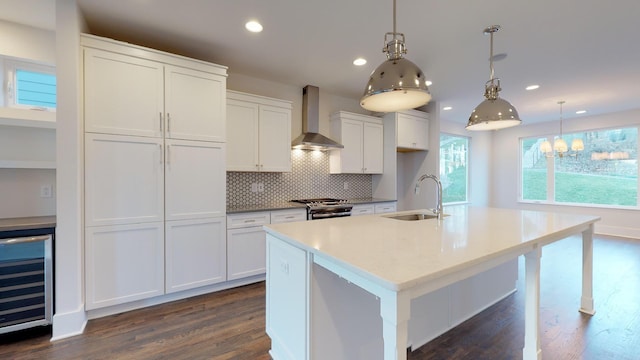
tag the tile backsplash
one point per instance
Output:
(309, 178)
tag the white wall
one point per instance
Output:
(69, 318)
(27, 42)
(329, 103)
(20, 188)
(506, 168)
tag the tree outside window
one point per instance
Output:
(454, 169)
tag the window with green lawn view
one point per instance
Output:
(603, 172)
(454, 169)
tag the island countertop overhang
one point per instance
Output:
(399, 254)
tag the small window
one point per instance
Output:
(454, 169)
(29, 85)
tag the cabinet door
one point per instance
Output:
(194, 104)
(413, 132)
(242, 136)
(372, 146)
(362, 209)
(123, 179)
(195, 253)
(195, 179)
(123, 263)
(246, 252)
(352, 139)
(122, 94)
(387, 207)
(275, 139)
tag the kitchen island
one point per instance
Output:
(343, 288)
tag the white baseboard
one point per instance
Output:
(69, 324)
(617, 231)
(117, 309)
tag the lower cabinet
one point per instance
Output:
(123, 263)
(132, 262)
(362, 209)
(195, 253)
(246, 246)
(385, 207)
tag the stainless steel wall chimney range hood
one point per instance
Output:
(310, 139)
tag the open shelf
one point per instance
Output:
(27, 118)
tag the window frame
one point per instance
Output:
(467, 165)
(551, 170)
(9, 69)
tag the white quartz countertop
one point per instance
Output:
(398, 254)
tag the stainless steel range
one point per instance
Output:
(325, 208)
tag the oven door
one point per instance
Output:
(326, 213)
(25, 282)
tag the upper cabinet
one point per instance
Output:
(362, 137)
(128, 95)
(412, 129)
(258, 133)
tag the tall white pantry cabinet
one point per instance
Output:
(154, 174)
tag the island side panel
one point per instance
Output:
(287, 299)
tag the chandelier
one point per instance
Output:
(560, 146)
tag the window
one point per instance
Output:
(454, 170)
(604, 173)
(29, 85)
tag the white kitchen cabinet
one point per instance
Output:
(194, 179)
(286, 310)
(246, 244)
(288, 215)
(385, 207)
(195, 252)
(246, 247)
(154, 154)
(412, 129)
(363, 209)
(194, 104)
(123, 263)
(362, 137)
(258, 133)
(130, 95)
(124, 180)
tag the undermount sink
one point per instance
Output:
(414, 216)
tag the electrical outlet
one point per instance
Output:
(254, 187)
(45, 191)
(346, 185)
(260, 187)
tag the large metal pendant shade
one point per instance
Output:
(397, 84)
(493, 113)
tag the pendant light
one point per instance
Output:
(493, 113)
(397, 84)
(560, 146)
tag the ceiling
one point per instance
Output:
(585, 52)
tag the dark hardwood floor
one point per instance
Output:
(230, 324)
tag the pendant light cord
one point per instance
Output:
(394, 17)
(561, 102)
(490, 56)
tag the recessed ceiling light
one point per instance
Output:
(447, 108)
(359, 62)
(429, 83)
(253, 26)
(581, 111)
(532, 87)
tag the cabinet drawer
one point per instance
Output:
(382, 208)
(364, 209)
(235, 221)
(283, 216)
